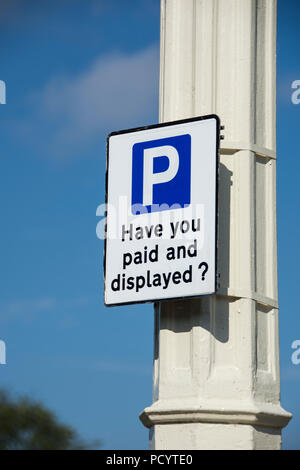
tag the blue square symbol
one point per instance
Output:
(161, 174)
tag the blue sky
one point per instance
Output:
(76, 70)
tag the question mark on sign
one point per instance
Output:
(205, 265)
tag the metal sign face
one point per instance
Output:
(161, 195)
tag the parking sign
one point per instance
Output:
(161, 195)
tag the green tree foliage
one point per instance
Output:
(28, 425)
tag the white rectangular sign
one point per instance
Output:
(161, 195)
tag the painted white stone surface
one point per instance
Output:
(216, 365)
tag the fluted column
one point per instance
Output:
(216, 365)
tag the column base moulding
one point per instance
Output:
(252, 414)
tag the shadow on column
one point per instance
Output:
(182, 315)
